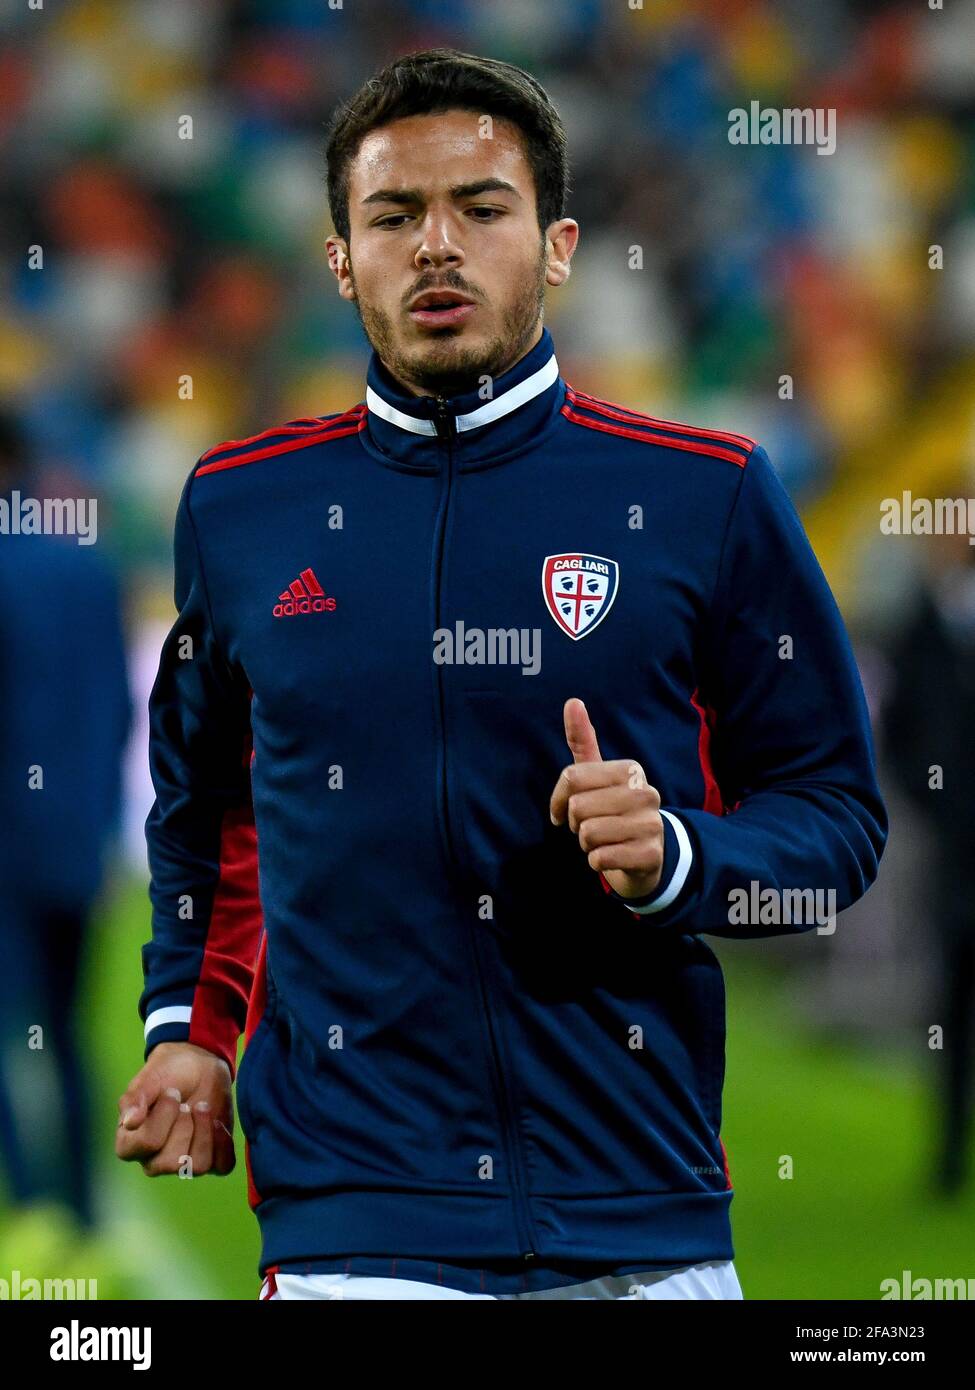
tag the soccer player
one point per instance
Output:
(486, 700)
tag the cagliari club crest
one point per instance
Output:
(579, 591)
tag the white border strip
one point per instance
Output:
(526, 390)
(680, 873)
(379, 406)
(173, 1013)
(502, 405)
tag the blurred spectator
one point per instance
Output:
(928, 727)
(64, 716)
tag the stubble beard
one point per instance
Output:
(442, 368)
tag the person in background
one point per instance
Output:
(65, 713)
(927, 725)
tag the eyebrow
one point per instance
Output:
(459, 190)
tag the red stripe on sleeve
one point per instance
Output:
(255, 1012)
(713, 800)
(236, 918)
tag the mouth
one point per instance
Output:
(441, 308)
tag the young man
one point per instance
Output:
(484, 1040)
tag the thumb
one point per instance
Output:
(579, 733)
(139, 1099)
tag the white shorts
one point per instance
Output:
(714, 1280)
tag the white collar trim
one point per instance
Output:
(493, 410)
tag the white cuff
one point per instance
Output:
(174, 1013)
(679, 877)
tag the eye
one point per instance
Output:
(394, 220)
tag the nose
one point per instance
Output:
(438, 245)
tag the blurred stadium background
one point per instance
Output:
(165, 257)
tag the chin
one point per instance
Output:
(449, 352)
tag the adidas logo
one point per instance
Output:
(303, 595)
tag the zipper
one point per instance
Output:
(446, 431)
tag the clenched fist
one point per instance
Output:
(178, 1106)
(611, 808)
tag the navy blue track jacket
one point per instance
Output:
(460, 1043)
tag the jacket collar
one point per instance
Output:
(415, 431)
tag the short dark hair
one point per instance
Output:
(444, 79)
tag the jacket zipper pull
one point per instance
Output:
(444, 418)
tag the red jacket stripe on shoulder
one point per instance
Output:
(668, 441)
(623, 412)
(304, 425)
(337, 429)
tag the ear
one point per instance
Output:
(561, 238)
(338, 260)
